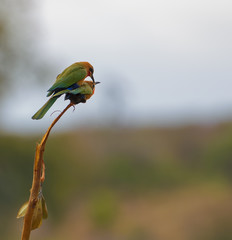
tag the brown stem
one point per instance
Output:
(38, 163)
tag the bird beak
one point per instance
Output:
(92, 78)
(97, 83)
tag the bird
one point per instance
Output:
(69, 81)
(83, 93)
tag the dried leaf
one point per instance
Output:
(22, 211)
(44, 208)
(37, 215)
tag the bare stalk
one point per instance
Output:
(37, 172)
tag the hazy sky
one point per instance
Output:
(167, 60)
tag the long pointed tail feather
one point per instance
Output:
(42, 111)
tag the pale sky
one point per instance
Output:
(169, 61)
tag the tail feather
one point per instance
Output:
(42, 111)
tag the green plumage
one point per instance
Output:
(42, 111)
(70, 81)
(71, 75)
(84, 89)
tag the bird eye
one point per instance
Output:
(91, 70)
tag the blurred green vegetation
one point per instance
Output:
(172, 183)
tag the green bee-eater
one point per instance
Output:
(81, 94)
(69, 81)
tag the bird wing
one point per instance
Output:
(83, 89)
(71, 75)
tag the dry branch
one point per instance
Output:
(38, 177)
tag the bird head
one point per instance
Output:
(89, 69)
(92, 84)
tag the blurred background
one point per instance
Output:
(149, 156)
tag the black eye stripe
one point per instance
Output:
(91, 70)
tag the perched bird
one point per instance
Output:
(69, 81)
(83, 93)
